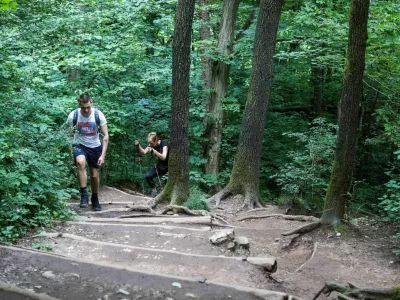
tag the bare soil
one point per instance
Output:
(361, 254)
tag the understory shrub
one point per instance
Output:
(197, 199)
(35, 175)
(305, 177)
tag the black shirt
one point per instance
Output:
(162, 163)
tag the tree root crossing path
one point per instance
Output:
(173, 253)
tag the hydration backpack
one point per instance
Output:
(96, 117)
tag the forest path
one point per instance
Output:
(97, 254)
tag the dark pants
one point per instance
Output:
(92, 155)
(153, 173)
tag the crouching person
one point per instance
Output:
(160, 149)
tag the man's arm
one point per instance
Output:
(70, 133)
(104, 131)
(163, 155)
(141, 150)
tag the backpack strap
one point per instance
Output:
(75, 119)
(97, 118)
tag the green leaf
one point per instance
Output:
(24, 179)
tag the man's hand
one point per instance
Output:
(149, 149)
(100, 161)
(136, 142)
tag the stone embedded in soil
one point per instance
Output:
(221, 236)
(264, 262)
(123, 292)
(49, 275)
(231, 246)
(74, 275)
(202, 279)
(242, 242)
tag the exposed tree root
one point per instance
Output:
(130, 192)
(250, 198)
(116, 245)
(258, 209)
(106, 211)
(201, 229)
(304, 229)
(201, 220)
(220, 218)
(182, 209)
(311, 257)
(350, 292)
(286, 217)
(343, 297)
(221, 195)
(138, 216)
(141, 207)
(118, 190)
(19, 293)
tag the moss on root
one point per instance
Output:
(396, 293)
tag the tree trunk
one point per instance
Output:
(343, 166)
(205, 36)
(219, 88)
(246, 170)
(177, 187)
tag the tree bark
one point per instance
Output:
(343, 166)
(246, 170)
(177, 187)
(219, 89)
(205, 36)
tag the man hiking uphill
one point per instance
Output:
(160, 149)
(87, 146)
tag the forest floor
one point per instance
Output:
(102, 256)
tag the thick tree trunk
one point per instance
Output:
(246, 170)
(219, 88)
(205, 36)
(343, 166)
(177, 187)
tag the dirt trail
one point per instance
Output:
(171, 250)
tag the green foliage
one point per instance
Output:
(120, 52)
(7, 5)
(390, 201)
(34, 174)
(46, 246)
(305, 177)
(197, 200)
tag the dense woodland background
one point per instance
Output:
(121, 53)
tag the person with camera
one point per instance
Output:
(159, 148)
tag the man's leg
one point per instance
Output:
(94, 180)
(149, 178)
(94, 184)
(82, 178)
